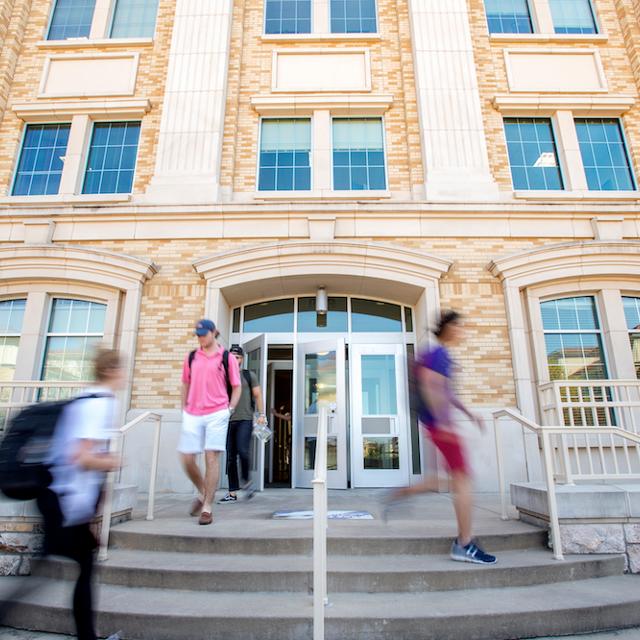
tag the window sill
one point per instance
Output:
(83, 43)
(79, 199)
(577, 195)
(554, 38)
(322, 195)
(320, 37)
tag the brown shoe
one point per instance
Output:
(196, 507)
(205, 518)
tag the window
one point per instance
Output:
(335, 319)
(71, 19)
(372, 315)
(508, 16)
(353, 16)
(287, 16)
(573, 339)
(11, 316)
(632, 317)
(358, 154)
(112, 157)
(532, 154)
(41, 160)
(285, 149)
(75, 328)
(573, 16)
(134, 19)
(604, 154)
(272, 316)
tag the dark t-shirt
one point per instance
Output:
(436, 359)
(243, 410)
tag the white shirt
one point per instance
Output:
(78, 489)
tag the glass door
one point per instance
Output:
(320, 378)
(255, 351)
(379, 424)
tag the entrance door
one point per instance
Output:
(320, 378)
(379, 424)
(256, 361)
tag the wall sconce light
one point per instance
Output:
(322, 301)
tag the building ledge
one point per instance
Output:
(320, 37)
(549, 38)
(322, 195)
(338, 104)
(612, 105)
(78, 200)
(86, 43)
(578, 196)
(45, 110)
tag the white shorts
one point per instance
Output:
(204, 433)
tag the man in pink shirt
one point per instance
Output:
(207, 405)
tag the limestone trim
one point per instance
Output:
(549, 38)
(103, 43)
(320, 37)
(337, 104)
(538, 104)
(49, 110)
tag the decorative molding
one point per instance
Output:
(322, 228)
(338, 104)
(611, 105)
(549, 38)
(300, 38)
(87, 43)
(48, 110)
(38, 231)
(608, 227)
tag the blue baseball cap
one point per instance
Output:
(204, 326)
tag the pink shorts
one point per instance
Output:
(449, 445)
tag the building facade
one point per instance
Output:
(320, 177)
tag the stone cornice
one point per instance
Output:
(45, 110)
(544, 104)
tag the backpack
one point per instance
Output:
(225, 364)
(246, 374)
(24, 469)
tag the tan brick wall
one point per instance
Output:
(250, 74)
(492, 79)
(150, 84)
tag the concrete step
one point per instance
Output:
(279, 538)
(479, 614)
(368, 574)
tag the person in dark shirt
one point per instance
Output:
(436, 401)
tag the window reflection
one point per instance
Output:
(371, 315)
(270, 316)
(336, 317)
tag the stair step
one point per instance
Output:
(368, 574)
(479, 614)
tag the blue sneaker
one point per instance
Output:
(470, 553)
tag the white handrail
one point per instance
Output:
(116, 447)
(547, 452)
(320, 514)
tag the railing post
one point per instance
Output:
(503, 497)
(551, 497)
(107, 505)
(319, 482)
(154, 468)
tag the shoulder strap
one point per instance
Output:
(225, 364)
(192, 355)
(247, 376)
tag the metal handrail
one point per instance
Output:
(116, 447)
(547, 452)
(320, 519)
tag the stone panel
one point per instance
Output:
(592, 538)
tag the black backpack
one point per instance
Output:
(24, 471)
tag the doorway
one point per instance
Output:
(278, 471)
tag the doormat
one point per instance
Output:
(333, 515)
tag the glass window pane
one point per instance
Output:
(134, 19)
(288, 16)
(353, 16)
(112, 156)
(69, 358)
(631, 311)
(358, 154)
(381, 452)
(40, 165)
(272, 316)
(408, 319)
(11, 316)
(285, 155)
(532, 154)
(379, 385)
(572, 16)
(71, 19)
(371, 315)
(604, 154)
(335, 320)
(508, 16)
(319, 380)
(236, 320)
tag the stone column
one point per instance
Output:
(190, 140)
(454, 146)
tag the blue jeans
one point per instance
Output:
(239, 445)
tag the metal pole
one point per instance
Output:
(154, 469)
(320, 527)
(503, 497)
(551, 497)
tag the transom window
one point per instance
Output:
(353, 16)
(573, 16)
(41, 160)
(358, 154)
(285, 150)
(287, 16)
(134, 19)
(71, 19)
(76, 327)
(508, 16)
(532, 154)
(632, 317)
(604, 154)
(112, 157)
(11, 317)
(573, 339)
(335, 320)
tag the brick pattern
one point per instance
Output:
(29, 62)
(391, 72)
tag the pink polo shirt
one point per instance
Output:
(207, 382)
